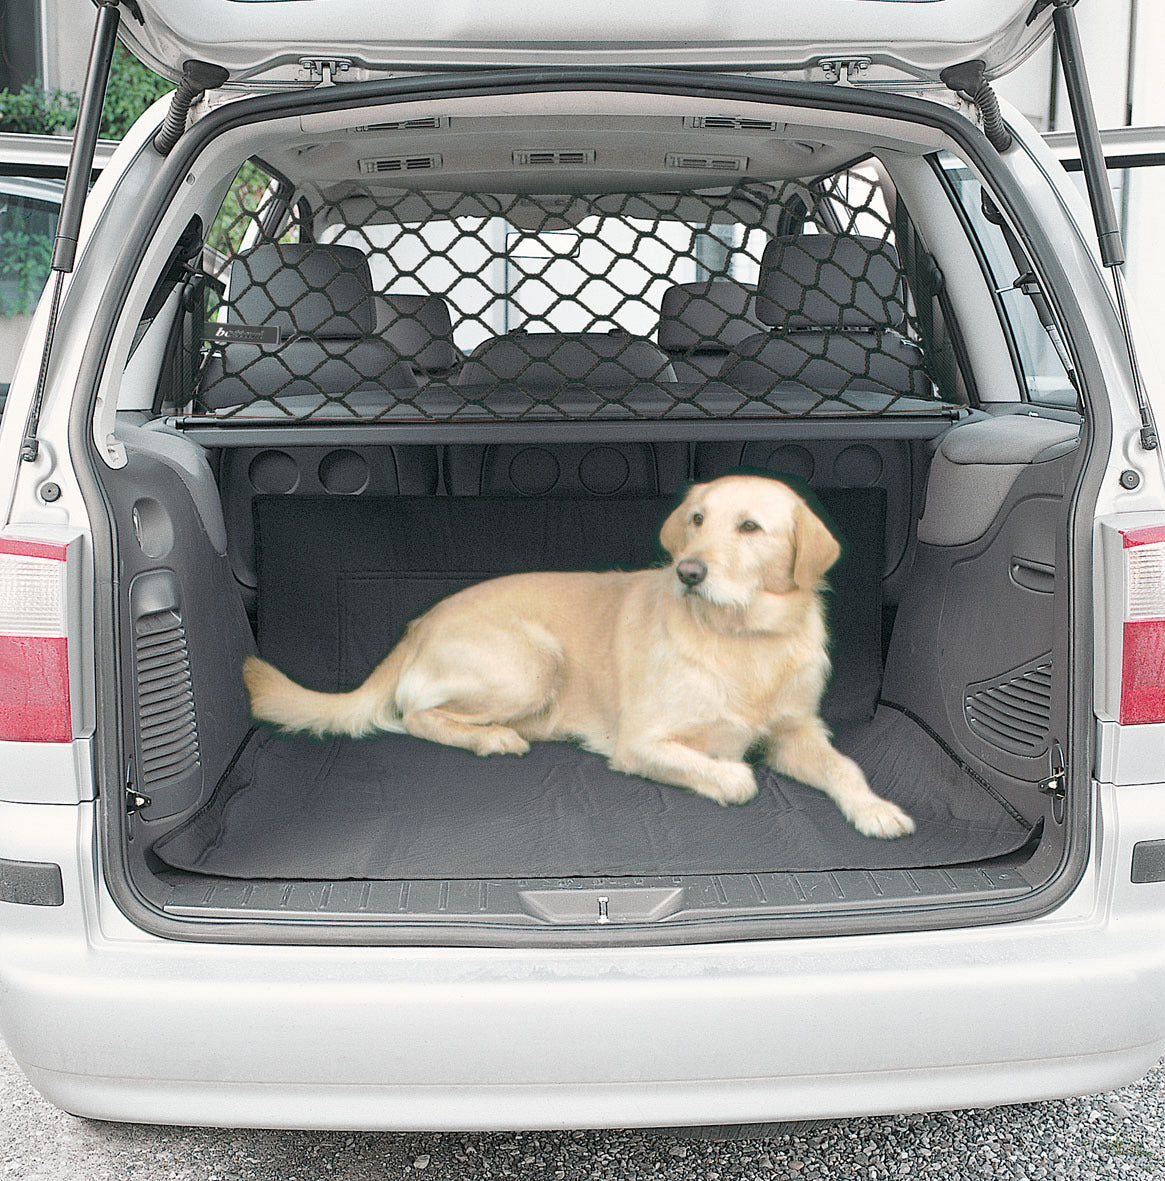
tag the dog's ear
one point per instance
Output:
(815, 548)
(671, 535)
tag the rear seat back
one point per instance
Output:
(320, 298)
(246, 474)
(836, 305)
(700, 324)
(566, 470)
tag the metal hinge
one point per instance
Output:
(843, 70)
(134, 800)
(325, 68)
(1056, 784)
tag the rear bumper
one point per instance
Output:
(112, 1023)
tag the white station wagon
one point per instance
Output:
(385, 301)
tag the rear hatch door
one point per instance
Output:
(265, 43)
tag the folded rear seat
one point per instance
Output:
(320, 299)
(548, 360)
(836, 305)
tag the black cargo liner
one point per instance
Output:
(339, 579)
(399, 807)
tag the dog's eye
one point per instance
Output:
(748, 527)
(697, 518)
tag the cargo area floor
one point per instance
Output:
(397, 807)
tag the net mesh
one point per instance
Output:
(410, 305)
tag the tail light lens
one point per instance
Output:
(35, 700)
(1142, 692)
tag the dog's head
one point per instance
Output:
(734, 537)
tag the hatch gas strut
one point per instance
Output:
(1112, 250)
(73, 200)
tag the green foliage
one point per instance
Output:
(26, 233)
(132, 88)
(238, 210)
(27, 229)
(22, 274)
(26, 247)
(32, 110)
(36, 111)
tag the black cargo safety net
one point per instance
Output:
(405, 305)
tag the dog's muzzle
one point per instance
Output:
(691, 571)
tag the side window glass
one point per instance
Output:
(858, 202)
(254, 210)
(28, 221)
(1041, 359)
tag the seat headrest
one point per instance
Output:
(420, 329)
(707, 317)
(547, 359)
(830, 281)
(304, 288)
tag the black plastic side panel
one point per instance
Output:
(980, 645)
(186, 638)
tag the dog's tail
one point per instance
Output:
(369, 709)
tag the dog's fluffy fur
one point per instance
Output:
(668, 681)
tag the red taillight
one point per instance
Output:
(1143, 650)
(35, 702)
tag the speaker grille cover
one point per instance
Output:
(166, 718)
(1013, 711)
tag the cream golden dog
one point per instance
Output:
(671, 673)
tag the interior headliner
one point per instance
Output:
(627, 142)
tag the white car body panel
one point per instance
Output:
(464, 1038)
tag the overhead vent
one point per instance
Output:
(707, 163)
(1013, 711)
(732, 123)
(166, 718)
(385, 164)
(428, 123)
(554, 157)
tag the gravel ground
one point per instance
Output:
(1117, 1135)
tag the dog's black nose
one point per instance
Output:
(691, 571)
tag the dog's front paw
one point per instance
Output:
(734, 783)
(500, 740)
(880, 818)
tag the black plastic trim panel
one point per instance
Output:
(1148, 862)
(600, 906)
(31, 883)
(857, 426)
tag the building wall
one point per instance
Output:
(20, 37)
(66, 29)
(1122, 39)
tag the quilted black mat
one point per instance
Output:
(399, 807)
